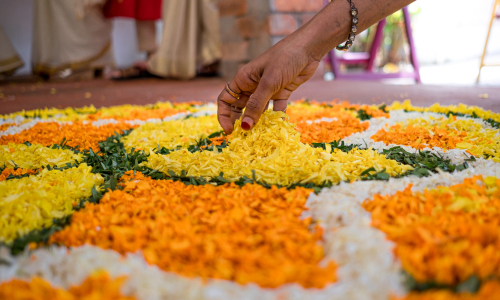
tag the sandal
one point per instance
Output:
(211, 70)
(131, 73)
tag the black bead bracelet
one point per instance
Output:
(354, 28)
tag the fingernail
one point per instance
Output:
(247, 123)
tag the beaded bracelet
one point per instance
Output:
(354, 28)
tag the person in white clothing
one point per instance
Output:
(9, 59)
(69, 37)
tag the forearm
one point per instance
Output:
(284, 67)
(331, 26)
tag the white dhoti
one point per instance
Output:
(67, 38)
(191, 37)
(9, 59)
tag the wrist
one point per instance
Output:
(329, 28)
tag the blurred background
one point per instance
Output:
(448, 38)
(449, 35)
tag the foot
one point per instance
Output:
(138, 70)
(211, 70)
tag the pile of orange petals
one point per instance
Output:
(5, 126)
(326, 132)
(245, 234)
(374, 112)
(98, 286)
(420, 137)
(488, 291)
(217, 141)
(84, 136)
(444, 235)
(300, 111)
(17, 172)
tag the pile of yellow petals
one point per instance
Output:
(77, 134)
(437, 108)
(245, 234)
(274, 151)
(171, 134)
(141, 112)
(301, 111)
(444, 235)
(489, 290)
(35, 156)
(63, 114)
(446, 133)
(33, 202)
(16, 172)
(326, 132)
(98, 286)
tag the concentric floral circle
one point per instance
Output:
(330, 201)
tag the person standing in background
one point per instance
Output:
(70, 37)
(191, 41)
(145, 13)
(9, 59)
(190, 44)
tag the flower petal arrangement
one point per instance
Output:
(273, 152)
(35, 156)
(171, 134)
(245, 234)
(33, 202)
(97, 286)
(330, 201)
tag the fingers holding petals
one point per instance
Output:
(230, 105)
(280, 105)
(236, 113)
(224, 115)
(237, 108)
(226, 97)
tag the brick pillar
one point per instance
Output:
(250, 27)
(288, 15)
(245, 32)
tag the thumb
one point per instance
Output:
(255, 106)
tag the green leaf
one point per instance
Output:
(471, 285)
(221, 178)
(367, 171)
(113, 182)
(95, 194)
(336, 145)
(363, 115)
(383, 176)
(424, 162)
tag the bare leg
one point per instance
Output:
(146, 36)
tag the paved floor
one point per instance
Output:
(28, 94)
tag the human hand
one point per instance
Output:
(272, 76)
(283, 68)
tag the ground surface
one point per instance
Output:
(28, 94)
